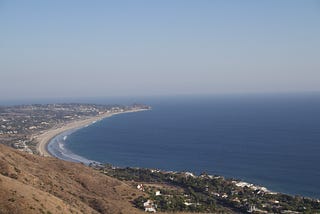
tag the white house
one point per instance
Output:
(140, 187)
(149, 206)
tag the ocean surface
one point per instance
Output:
(269, 140)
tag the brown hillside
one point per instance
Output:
(34, 184)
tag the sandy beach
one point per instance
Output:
(44, 138)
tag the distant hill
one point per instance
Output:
(34, 184)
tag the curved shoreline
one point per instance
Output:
(44, 139)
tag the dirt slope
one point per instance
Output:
(34, 184)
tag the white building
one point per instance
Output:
(149, 206)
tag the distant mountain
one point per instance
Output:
(34, 184)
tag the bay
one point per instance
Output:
(269, 140)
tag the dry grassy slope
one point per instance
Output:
(34, 184)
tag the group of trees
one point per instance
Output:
(209, 194)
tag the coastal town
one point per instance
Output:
(168, 191)
(20, 124)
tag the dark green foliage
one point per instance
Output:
(209, 194)
(138, 202)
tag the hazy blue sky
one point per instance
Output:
(65, 48)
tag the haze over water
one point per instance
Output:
(273, 141)
(54, 49)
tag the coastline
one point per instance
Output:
(44, 139)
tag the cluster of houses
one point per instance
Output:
(253, 187)
(22, 146)
(149, 205)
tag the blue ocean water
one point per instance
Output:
(269, 140)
